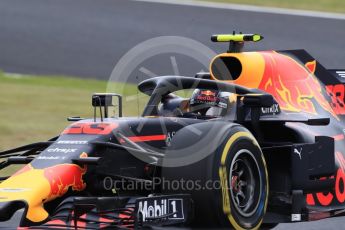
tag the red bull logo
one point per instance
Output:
(37, 186)
(293, 85)
(64, 176)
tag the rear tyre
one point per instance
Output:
(238, 177)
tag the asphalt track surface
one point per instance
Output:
(86, 38)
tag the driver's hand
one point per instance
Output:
(184, 106)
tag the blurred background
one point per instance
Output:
(55, 54)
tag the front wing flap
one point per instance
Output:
(120, 212)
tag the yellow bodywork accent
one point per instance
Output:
(253, 65)
(24, 187)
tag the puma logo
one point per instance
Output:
(299, 153)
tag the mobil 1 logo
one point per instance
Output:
(167, 209)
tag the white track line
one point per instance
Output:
(250, 8)
(15, 75)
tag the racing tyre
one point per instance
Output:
(237, 174)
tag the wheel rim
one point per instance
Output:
(245, 183)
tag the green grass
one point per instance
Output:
(318, 5)
(35, 108)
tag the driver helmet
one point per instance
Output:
(206, 102)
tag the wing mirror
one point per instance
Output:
(258, 100)
(255, 102)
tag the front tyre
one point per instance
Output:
(244, 181)
(234, 170)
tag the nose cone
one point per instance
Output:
(34, 187)
(28, 186)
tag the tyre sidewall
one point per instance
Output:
(238, 139)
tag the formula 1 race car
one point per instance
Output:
(258, 141)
